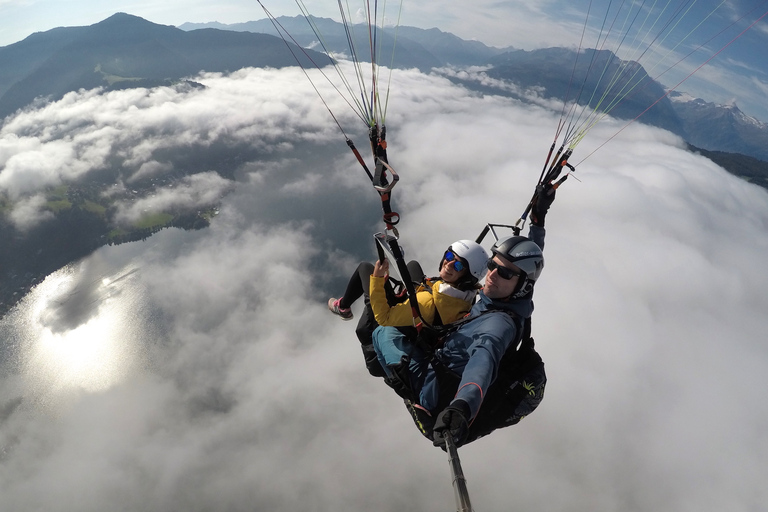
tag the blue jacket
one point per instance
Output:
(474, 351)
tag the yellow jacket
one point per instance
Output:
(451, 303)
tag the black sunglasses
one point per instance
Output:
(502, 271)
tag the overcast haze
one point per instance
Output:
(201, 370)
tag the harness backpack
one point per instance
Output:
(517, 391)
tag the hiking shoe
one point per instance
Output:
(344, 313)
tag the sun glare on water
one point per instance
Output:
(91, 356)
(89, 350)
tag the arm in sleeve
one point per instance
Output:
(492, 338)
(398, 315)
(536, 234)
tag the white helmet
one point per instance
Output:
(475, 256)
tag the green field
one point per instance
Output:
(153, 221)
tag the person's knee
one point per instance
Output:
(366, 325)
(415, 271)
(365, 268)
(379, 340)
(388, 352)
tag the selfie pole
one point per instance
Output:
(459, 482)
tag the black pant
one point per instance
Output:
(359, 286)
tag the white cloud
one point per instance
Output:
(649, 314)
(151, 168)
(196, 191)
(67, 139)
(30, 212)
(87, 131)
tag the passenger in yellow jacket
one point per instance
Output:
(443, 299)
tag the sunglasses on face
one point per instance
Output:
(502, 271)
(457, 264)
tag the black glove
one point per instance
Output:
(454, 420)
(545, 196)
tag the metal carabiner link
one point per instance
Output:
(379, 175)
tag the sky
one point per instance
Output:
(201, 370)
(738, 75)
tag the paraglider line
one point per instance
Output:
(669, 91)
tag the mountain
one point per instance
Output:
(544, 69)
(433, 47)
(127, 50)
(548, 71)
(722, 128)
(450, 49)
(410, 54)
(748, 168)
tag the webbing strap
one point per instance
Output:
(378, 178)
(384, 186)
(410, 290)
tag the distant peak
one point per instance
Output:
(679, 95)
(120, 16)
(128, 24)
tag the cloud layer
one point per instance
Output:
(244, 393)
(139, 134)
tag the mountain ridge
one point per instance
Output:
(447, 48)
(127, 51)
(711, 129)
(723, 128)
(68, 59)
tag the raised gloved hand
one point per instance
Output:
(545, 196)
(453, 421)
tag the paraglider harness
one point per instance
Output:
(516, 392)
(521, 379)
(519, 385)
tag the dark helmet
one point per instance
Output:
(525, 255)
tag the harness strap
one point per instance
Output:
(408, 282)
(379, 177)
(359, 158)
(448, 380)
(377, 138)
(380, 182)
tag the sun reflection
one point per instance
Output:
(78, 332)
(92, 356)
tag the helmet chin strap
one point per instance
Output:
(523, 288)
